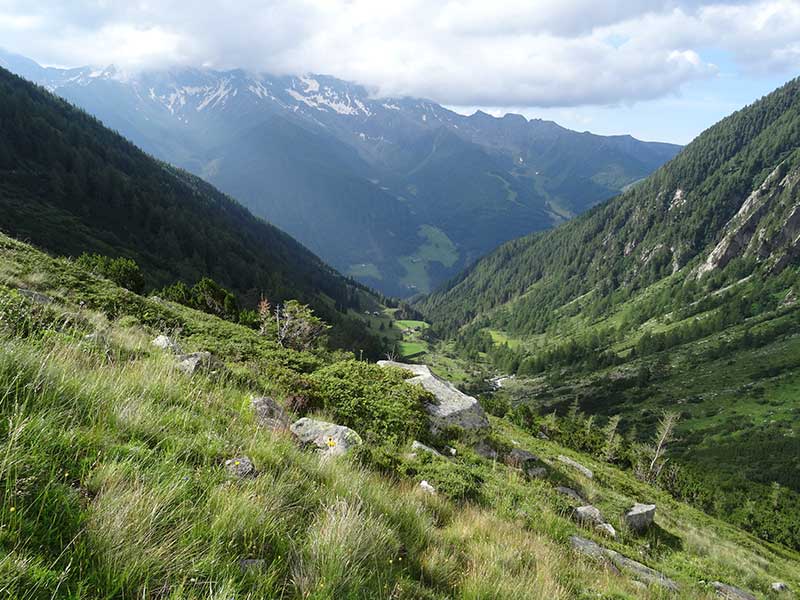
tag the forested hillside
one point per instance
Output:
(71, 186)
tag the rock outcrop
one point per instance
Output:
(730, 592)
(269, 413)
(586, 472)
(640, 517)
(330, 439)
(452, 407)
(570, 493)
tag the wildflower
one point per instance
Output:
(331, 442)
(12, 509)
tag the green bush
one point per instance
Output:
(454, 480)
(374, 401)
(122, 271)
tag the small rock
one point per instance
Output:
(730, 592)
(166, 343)
(640, 517)
(542, 436)
(536, 472)
(592, 550)
(329, 438)
(419, 446)
(269, 413)
(240, 467)
(250, 565)
(577, 466)
(451, 451)
(640, 571)
(570, 493)
(36, 297)
(96, 338)
(519, 458)
(779, 586)
(427, 487)
(589, 515)
(606, 529)
(198, 361)
(484, 449)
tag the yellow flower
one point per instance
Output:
(12, 509)
(331, 442)
(237, 463)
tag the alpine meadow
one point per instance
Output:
(343, 300)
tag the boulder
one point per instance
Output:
(427, 487)
(166, 343)
(240, 467)
(779, 586)
(529, 463)
(640, 517)
(606, 529)
(269, 413)
(198, 361)
(420, 447)
(329, 438)
(570, 493)
(587, 547)
(536, 472)
(484, 449)
(576, 465)
(730, 592)
(589, 514)
(451, 408)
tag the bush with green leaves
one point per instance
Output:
(458, 481)
(374, 401)
(122, 271)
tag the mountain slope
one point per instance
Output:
(125, 477)
(679, 295)
(72, 186)
(336, 167)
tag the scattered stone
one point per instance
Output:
(269, 413)
(779, 586)
(641, 572)
(198, 361)
(36, 297)
(577, 466)
(542, 436)
(640, 517)
(536, 472)
(484, 449)
(427, 487)
(570, 493)
(606, 529)
(730, 592)
(589, 514)
(587, 547)
(452, 408)
(329, 438)
(519, 458)
(251, 565)
(419, 446)
(166, 343)
(98, 338)
(241, 467)
(450, 450)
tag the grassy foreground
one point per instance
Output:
(113, 481)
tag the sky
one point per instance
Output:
(657, 70)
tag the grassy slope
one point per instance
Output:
(113, 484)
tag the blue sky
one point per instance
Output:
(657, 69)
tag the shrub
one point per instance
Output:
(122, 271)
(374, 401)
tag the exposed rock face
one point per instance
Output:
(640, 517)
(166, 343)
(620, 563)
(420, 447)
(329, 438)
(452, 407)
(198, 361)
(577, 466)
(270, 414)
(570, 493)
(730, 592)
(240, 467)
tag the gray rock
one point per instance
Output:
(536, 472)
(570, 493)
(622, 563)
(576, 465)
(329, 438)
(198, 361)
(36, 297)
(779, 586)
(166, 343)
(240, 467)
(427, 487)
(730, 592)
(269, 413)
(484, 449)
(589, 515)
(420, 447)
(452, 408)
(606, 529)
(251, 565)
(640, 517)
(529, 463)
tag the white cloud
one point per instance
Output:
(462, 52)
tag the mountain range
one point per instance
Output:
(399, 193)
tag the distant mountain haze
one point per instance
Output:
(399, 193)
